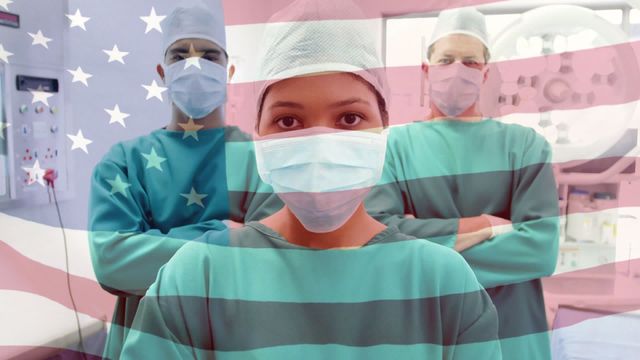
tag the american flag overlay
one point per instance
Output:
(129, 229)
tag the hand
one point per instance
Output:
(472, 231)
(232, 224)
(498, 225)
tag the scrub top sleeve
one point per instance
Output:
(172, 319)
(530, 251)
(388, 203)
(127, 254)
(478, 334)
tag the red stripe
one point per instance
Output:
(18, 272)
(245, 12)
(593, 283)
(404, 85)
(42, 352)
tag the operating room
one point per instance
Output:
(113, 155)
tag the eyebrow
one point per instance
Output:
(341, 103)
(350, 101)
(183, 50)
(470, 57)
(289, 104)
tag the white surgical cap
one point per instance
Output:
(466, 21)
(195, 19)
(299, 40)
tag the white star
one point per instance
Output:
(117, 116)
(79, 141)
(36, 174)
(119, 186)
(4, 54)
(154, 90)
(192, 61)
(40, 96)
(80, 76)
(194, 198)
(5, 4)
(40, 39)
(116, 55)
(77, 20)
(153, 21)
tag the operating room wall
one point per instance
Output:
(112, 83)
(46, 16)
(111, 23)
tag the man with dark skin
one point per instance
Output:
(153, 194)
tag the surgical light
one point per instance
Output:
(575, 97)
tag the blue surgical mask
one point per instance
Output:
(197, 91)
(321, 174)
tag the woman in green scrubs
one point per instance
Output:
(321, 278)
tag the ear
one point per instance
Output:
(232, 71)
(425, 69)
(160, 71)
(486, 74)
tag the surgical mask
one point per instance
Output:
(197, 91)
(321, 174)
(454, 88)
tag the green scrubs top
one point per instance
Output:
(250, 294)
(442, 171)
(152, 194)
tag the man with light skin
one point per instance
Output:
(477, 185)
(471, 52)
(153, 194)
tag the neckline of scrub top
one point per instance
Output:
(459, 122)
(264, 229)
(203, 132)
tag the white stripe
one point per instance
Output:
(589, 255)
(244, 44)
(44, 244)
(33, 320)
(603, 135)
(606, 337)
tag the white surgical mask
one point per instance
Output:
(322, 174)
(454, 88)
(197, 91)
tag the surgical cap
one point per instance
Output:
(195, 19)
(466, 21)
(302, 39)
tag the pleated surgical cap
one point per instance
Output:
(305, 38)
(466, 21)
(195, 19)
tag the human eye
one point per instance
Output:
(350, 120)
(445, 61)
(471, 63)
(288, 123)
(177, 57)
(213, 56)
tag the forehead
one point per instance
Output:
(308, 88)
(198, 44)
(458, 45)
